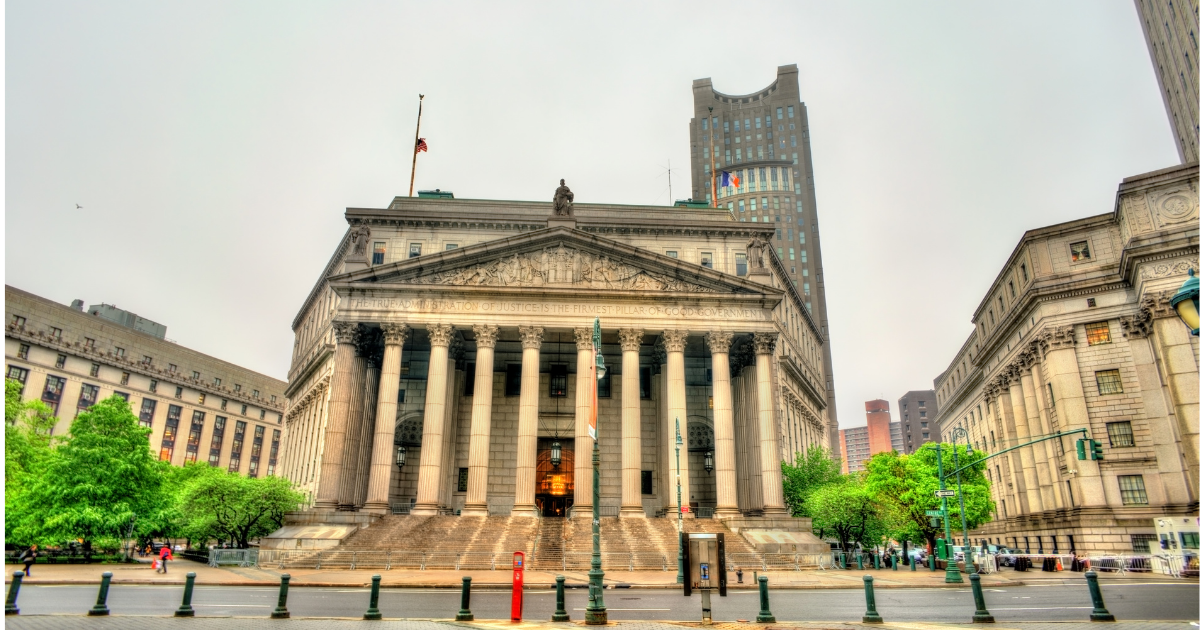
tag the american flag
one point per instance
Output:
(421, 146)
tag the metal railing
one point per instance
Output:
(401, 508)
(230, 557)
(704, 512)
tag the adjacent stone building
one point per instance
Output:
(918, 410)
(198, 407)
(455, 336)
(1077, 332)
(1171, 28)
(762, 139)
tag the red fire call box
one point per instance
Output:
(518, 584)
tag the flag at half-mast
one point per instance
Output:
(592, 414)
(729, 179)
(421, 146)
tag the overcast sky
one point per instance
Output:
(214, 146)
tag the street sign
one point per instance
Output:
(944, 493)
(933, 512)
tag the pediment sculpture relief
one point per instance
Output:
(560, 266)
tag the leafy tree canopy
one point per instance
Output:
(27, 443)
(215, 504)
(812, 470)
(850, 512)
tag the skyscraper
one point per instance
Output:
(1171, 31)
(917, 412)
(762, 141)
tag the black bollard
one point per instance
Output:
(464, 613)
(764, 602)
(281, 611)
(10, 605)
(185, 609)
(981, 612)
(101, 607)
(560, 600)
(739, 575)
(872, 615)
(373, 609)
(1099, 612)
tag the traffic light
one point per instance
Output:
(1097, 450)
(1080, 450)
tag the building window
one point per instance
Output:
(23, 351)
(52, 393)
(1080, 251)
(262, 414)
(88, 395)
(272, 398)
(647, 482)
(512, 379)
(244, 407)
(124, 378)
(237, 387)
(179, 392)
(146, 416)
(18, 321)
(1024, 273)
(463, 473)
(274, 452)
(216, 382)
(255, 393)
(61, 361)
(171, 367)
(450, 246)
(224, 403)
(1133, 490)
(672, 254)
(256, 450)
(95, 371)
(377, 254)
(706, 259)
(193, 441)
(169, 431)
(1120, 434)
(119, 351)
(235, 452)
(202, 397)
(147, 359)
(56, 333)
(1097, 333)
(88, 342)
(18, 374)
(123, 395)
(739, 263)
(644, 382)
(414, 250)
(1141, 542)
(218, 434)
(922, 413)
(558, 380)
(1109, 382)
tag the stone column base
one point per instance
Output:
(530, 511)
(474, 510)
(632, 511)
(723, 513)
(376, 508)
(424, 510)
(775, 511)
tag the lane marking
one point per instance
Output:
(232, 605)
(1046, 608)
(629, 609)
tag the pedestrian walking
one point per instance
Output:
(29, 557)
(163, 555)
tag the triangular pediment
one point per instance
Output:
(561, 258)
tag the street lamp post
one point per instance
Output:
(596, 613)
(952, 574)
(962, 512)
(679, 501)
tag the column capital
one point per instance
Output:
(374, 360)
(485, 335)
(583, 339)
(531, 336)
(764, 343)
(394, 334)
(1137, 326)
(631, 339)
(344, 332)
(719, 341)
(1157, 305)
(675, 340)
(440, 334)
(364, 341)
(1058, 338)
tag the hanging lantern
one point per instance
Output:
(708, 461)
(400, 457)
(555, 453)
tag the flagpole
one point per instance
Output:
(712, 162)
(413, 177)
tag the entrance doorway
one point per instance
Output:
(555, 485)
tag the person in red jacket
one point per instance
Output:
(164, 554)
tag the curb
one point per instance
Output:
(506, 586)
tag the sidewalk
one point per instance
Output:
(48, 622)
(141, 573)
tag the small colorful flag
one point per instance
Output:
(421, 146)
(729, 179)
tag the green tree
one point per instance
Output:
(93, 484)
(909, 482)
(850, 512)
(27, 445)
(813, 469)
(215, 504)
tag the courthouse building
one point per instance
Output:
(199, 408)
(442, 362)
(1077, 332)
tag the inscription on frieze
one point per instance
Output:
(429, 305)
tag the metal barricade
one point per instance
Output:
(233, 557)
(475, 560)
(704, 512)
(646, 561)
(745, 561)
(440, 560)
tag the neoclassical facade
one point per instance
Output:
(459, 333)
(1077, 332)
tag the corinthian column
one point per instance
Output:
(481, 422)
(1021, 421)
(394, 336)
(723, 453)
(772, 477)
(584, 384)
(1033, 416)
(527, 418)
(330, 485)
(631, 424)
(1066, 389)
(362, 473)
(675, 341)
(354, 422)
(435, 409)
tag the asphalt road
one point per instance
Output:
(1127, 601)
